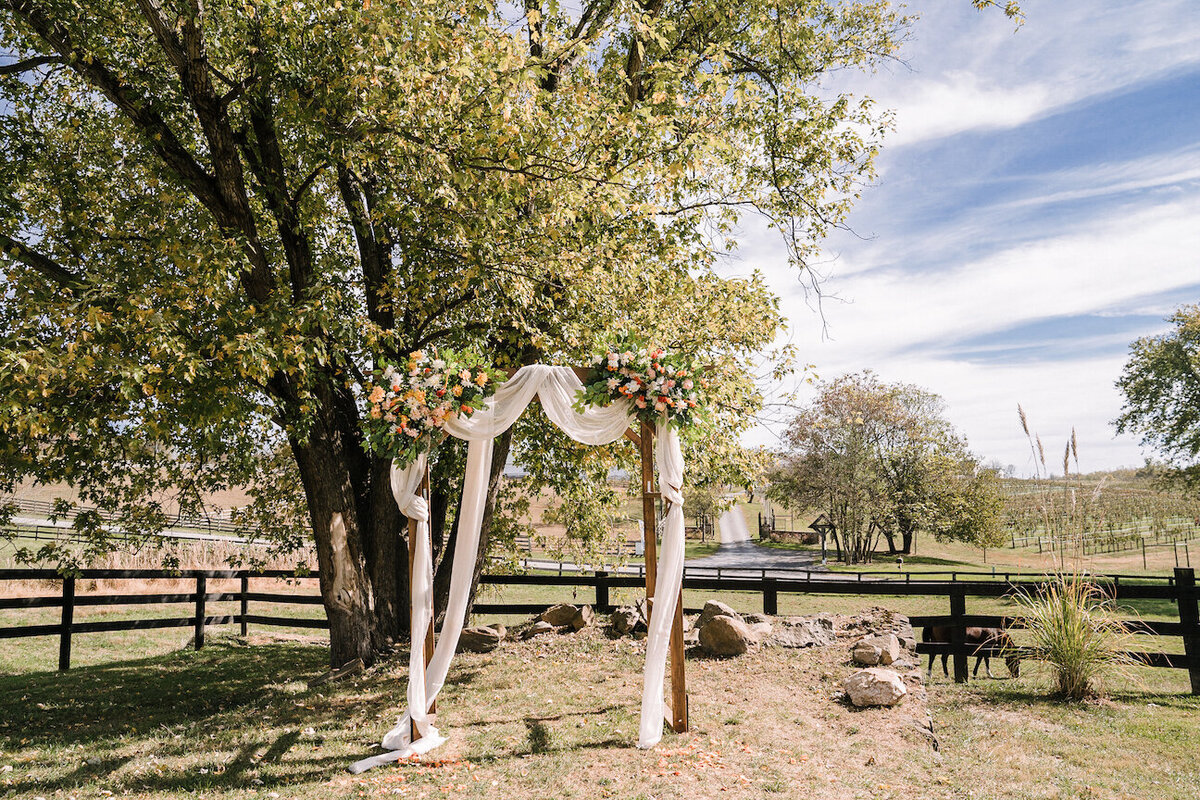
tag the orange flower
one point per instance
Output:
(376, 395)
(468, 410)
(481, 379)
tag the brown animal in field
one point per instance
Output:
(980, 637)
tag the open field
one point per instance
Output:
(934, 556)
(557, 717)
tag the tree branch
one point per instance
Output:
(39, 263)
(374, 246)
(27, 64)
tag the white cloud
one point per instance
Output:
(962, 102)
(905, 326)
(968, 70)
(1109, 179)
(1106, 264)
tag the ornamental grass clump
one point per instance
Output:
(1071, 624)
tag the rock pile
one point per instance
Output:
(561, 618)
(885, 640)
(721, 631)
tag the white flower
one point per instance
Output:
(687, 383)
(439, 364)
(613, 383)
(632, 386)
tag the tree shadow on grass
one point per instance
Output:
(223, 718)
(90, 703)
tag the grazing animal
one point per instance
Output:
(980, 637)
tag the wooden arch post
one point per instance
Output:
(677, 710)
(423, 491)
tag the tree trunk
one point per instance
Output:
(385, 544)
(362, 552)
(891, 540)
(345, 583)
(907, 540)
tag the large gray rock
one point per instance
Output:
(761, 630)
(538, 628)
(714, 609)
(642, 607)
(803, 632)
(625, 620)
(881, 649)
(559, 615)
(582, 618)
(479, 639)
(875, 686)
(726, 636)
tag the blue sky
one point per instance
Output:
(1037, 208)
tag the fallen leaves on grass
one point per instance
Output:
(448, 776)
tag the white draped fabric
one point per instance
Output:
(556, 388)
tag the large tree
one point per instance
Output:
(216, 217)
(1161, 385)
(882, 461)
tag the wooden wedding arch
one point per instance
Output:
(676, 711)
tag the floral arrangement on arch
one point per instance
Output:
(408, 403)
(658, 383)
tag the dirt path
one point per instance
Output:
(751, 558)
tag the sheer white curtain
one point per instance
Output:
(556, 388)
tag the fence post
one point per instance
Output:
(245, 604)
(68, 618)
(1143, 554)
(602, 604)
(201, 590)
(958, 632)
(770, 596)
(1189, 620)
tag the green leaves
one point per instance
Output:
(1161, 386)
(326, 187)
(881, 460)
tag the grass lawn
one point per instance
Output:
(556, 717)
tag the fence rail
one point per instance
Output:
(46, 508)
(1179, 587)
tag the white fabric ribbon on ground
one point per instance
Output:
(556, 388)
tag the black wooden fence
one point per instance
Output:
(199, 600)
(1180, 588)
